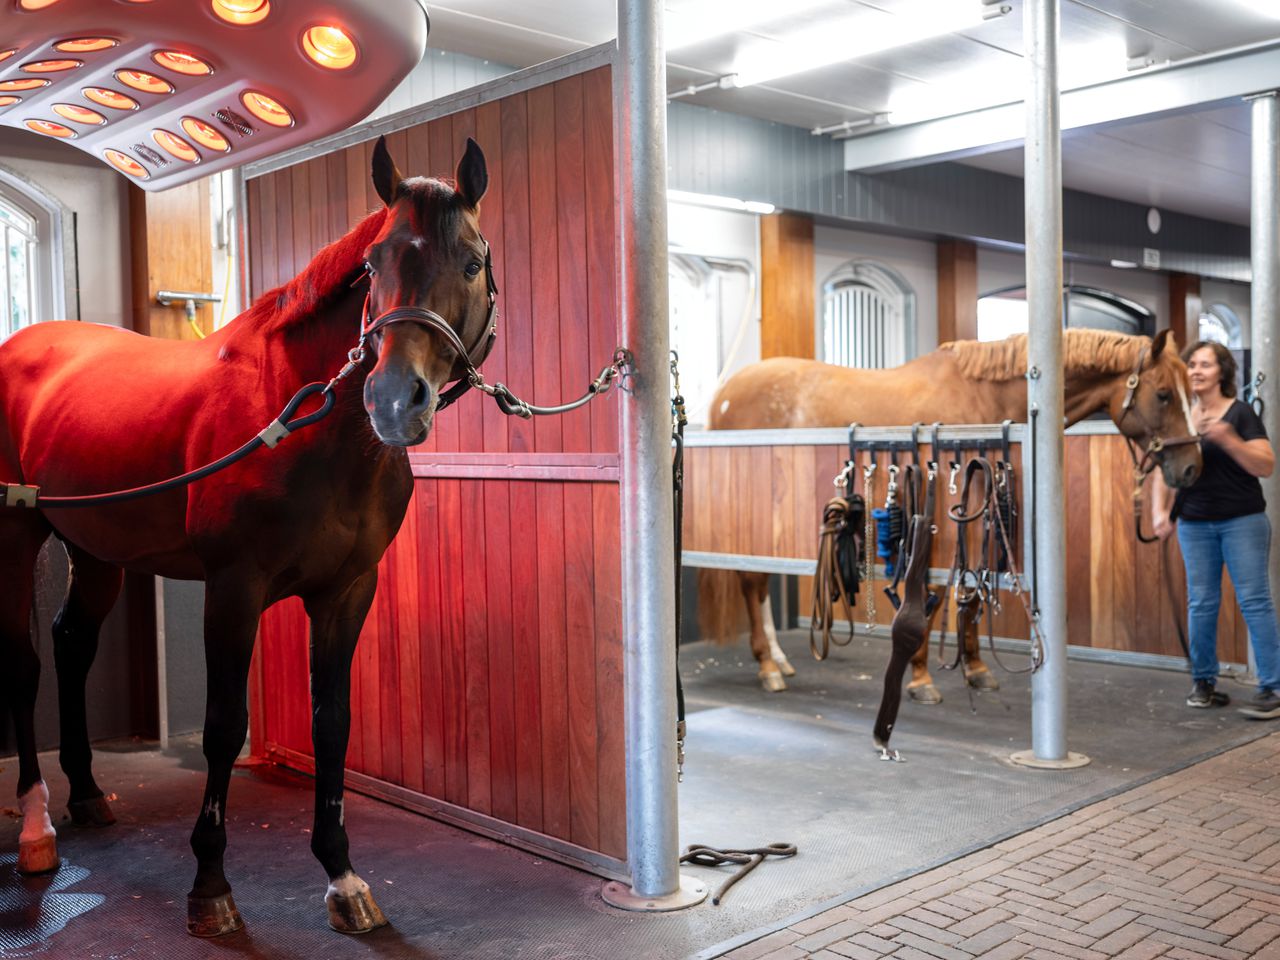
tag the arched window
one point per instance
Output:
(868, 316)
(32, 284)
(1220, 324)
(1002, 313)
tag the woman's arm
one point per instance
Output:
(1160, 506)
(1255, 456)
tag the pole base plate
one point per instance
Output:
(1028, 758)
(691, 893)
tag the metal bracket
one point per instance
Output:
(18, 495)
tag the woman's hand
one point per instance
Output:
(1219, 432)
(1163, 525)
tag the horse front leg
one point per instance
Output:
(764, 638)
(976, 673)
(921, 688)
(91, 593)
(335, 627)
(232, 607)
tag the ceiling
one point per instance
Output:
(1194, 159)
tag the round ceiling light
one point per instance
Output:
(51, 66)
(330, 47)
(205, 135)
(146, 82)
(27, 83)
(175, 146)
(6, 54)
(8, 101)
(110, 98)
(50, 129)
(35, 4)
(266, 109)
(180, 62)
(126, 164)
(85, 44)
(241, 11)
(77, 114)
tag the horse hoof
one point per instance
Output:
(772, 682)
(351, 906)
(38, 856)
(983, 680)
(212, 916)
(926, 694)
(93, 812)
(785, 666)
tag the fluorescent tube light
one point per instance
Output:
(721, 203)
(851, 37)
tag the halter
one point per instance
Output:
(1157, 445)
(469, 360)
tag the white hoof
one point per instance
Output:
(771, 681)
(785, 666)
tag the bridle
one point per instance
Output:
(1156, 449)
(468, 359)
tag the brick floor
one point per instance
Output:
(1186, 866)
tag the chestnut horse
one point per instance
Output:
(87, 409)
(961, 382)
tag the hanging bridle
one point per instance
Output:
(1156, 448)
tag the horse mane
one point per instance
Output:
(1083, 351)
(328, 274)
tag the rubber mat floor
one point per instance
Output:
(795, 767)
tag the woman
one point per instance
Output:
(1222, 518)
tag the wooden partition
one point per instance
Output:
(487, 686)
(764, 500)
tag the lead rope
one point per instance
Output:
(869, 539)
(678, 421)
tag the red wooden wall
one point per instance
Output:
(489, 674)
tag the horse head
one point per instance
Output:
(429, 316)
(1153, 409)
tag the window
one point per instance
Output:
(1220, 324)
(1002, 313)
(18, 278)
(709, 296)
(868, 316)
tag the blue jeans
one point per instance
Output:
(1245, 544)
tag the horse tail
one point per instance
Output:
(721, 611)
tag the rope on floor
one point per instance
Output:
(704, 856)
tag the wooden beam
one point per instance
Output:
(957, 290)
(1185, 307)
(786, 285)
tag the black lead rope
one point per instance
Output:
(747, 860)
(678, 421)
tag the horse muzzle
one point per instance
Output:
(1181, 468)
(401, 407)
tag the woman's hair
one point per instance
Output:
(1226, 363)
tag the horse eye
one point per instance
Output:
(473, 269)
(1164, 396)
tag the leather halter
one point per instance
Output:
(468, 359)
(1157, 445)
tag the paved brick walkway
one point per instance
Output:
(1185, 867)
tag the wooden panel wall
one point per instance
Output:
(767, 501)
(786, 285)
(169, 246)
(489, 675)
(957, 290)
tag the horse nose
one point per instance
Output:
(1189, 474)
(402, 398)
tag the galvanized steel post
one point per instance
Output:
(1265, 293)
(648, 564)
(1045, 381)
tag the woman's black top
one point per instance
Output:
(1225, 490)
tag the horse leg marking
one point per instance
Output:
(37, 843)
(771, 634)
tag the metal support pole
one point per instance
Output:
(1265, 295)
(1045, 383)
(648, 564)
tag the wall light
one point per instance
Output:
(720, 203)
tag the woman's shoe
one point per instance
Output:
(1203, 695)
(1265, 705)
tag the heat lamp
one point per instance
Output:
(166, 91)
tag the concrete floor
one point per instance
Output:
(794, 767)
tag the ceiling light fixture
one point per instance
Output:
(700, 20)
(720, 203)
(869, 32)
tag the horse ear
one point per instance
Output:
(473, 177)
(386, 178)
(1159, 341)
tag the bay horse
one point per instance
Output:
(965, 381)
(87, 408)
